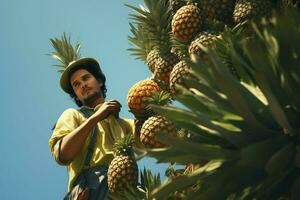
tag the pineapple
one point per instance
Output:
(179, 72)
(156, 124)
(164, 66)
(137, 96)
(218, 9)
(123, 169)
(186, 22)
(152, 57)
(203, 38)
(251, 10)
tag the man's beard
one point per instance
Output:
(92, 98)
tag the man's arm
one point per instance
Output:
(72, 143)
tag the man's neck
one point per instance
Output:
(97, 102)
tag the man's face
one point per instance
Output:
(86, 87)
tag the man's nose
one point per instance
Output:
(83, 85)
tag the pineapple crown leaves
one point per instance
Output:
(64, 52)
(158, 98)
(155, 19)
(149, 181)
(124, 146)
(140, 38)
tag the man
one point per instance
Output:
(85, 82)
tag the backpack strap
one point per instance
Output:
(87, 113)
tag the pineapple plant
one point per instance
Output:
(137, 97)
(156, 123)
(218, 9)
(238, 118)
(246, 132)
(187, 22)
(252, 10)
(123, 170)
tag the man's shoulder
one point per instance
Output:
(71, 112)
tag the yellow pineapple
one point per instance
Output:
(138, 95)
(157, 123)
(186, 22)
(123, 169)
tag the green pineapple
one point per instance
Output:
(252, 10)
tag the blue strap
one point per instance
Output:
(87, 113)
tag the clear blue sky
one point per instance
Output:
(31, 99)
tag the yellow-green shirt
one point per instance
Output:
(109, 130)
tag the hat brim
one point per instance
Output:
(64, 79)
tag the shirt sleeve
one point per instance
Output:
(67, 122)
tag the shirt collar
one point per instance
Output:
(96, 108)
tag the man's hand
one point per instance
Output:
(107, 108)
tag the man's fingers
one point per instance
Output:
(115, 101)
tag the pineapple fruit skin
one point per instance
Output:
(251, 9)
(154, 125)
(164, 66)
(186, 22)
(179, 72)
(138, 94)
(122, 171)
(152, 57)
(204, 38)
